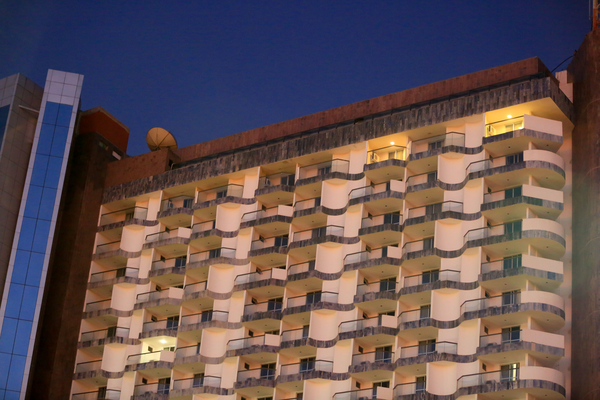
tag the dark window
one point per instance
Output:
(512, 334)
(431, 177)
(206, 316)
(172, 322)
(426, 346)
(180, 261)
(267, 371)
(421, 384)
(513, 192)
(214, 253)
(511, 297)
(512, 262)
(425, 312)
(275, 304)
(163, 385)
(509, 373)
(383, 354)
(514, 158)
(198, 380)
(307, 364)
(391, 218)
(436, 145)
(513, 227)
(324, 170)
(305, 329)
(431, 276)
(387, 285)
(428, 243)
(433, 209)
(313, 297)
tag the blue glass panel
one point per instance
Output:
(22, 339)
(15, 374)
(53, 174)
(51, 113)
(64, 115)
(36, 264)
(19, 272)
(4, 363)
(45, 139)
(33, 201)
(28, 306)
(47, 204)
(59, 141)
(13, 304)
(39, 170)
(26, 235)
(2, 391)
(40, 240)
(7, 338)
(12, 395)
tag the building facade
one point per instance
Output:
(416, 245)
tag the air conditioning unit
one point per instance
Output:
(373, 158)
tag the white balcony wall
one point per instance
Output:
(543, 125)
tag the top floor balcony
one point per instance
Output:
(428, 147)
(133, 214)
(176, 211)
(386, 163)
(276, 188)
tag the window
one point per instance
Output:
(436, 145)
(512, 334)
(425, 311)
(281, 241)
(421, 384)
(198, 380)
(384, 384)
(221, 193)
(180, 261)
(214, 253)
(324, 170)
(383, 354)
(275, 304)
(172, 322)
(426, 347)
(433, 209)
(513, 192)
(187, 203)
(512, 262)
(318, 232)
(313, 297)
(512, 297)
(206, 316)
(514, 158)
(391, 218)
(513, 227)
(101, 393)
(431, 177)
(430, 276)
(267, 371)
(509, 372)
(428, 243)
(387, 285)
(111, 331)
(307, 364)
(121, 272)
(163, 386)
(305, 329)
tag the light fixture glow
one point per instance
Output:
(163, 341)
(509, 116)
(392, 143)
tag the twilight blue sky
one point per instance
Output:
(206, 69)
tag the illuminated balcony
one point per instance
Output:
(158, 362)
(126, 216)
(515, 270)
(381, 230)
(386, 163)
(269, 222)
(176, 211)
(518, 132)
(276, 188)
(269, 252)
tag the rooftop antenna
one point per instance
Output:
(159, 138)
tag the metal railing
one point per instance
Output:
(335, 165)
(494, 230)
(381, 219)
(277, 179)
(273, 241)
(373, 357)
(407, 389)
(123, 215)
(163, 235)
(106, 247)
(143, 358)
(369, 190)
(196, 382)
(153, 295)
(243, 343)
(499, 195)
(205, 316)
(415, 315)
(231, 190)
(204, 226)
(312, 298)
(174, 262)
(333, 230)
(213, 253)
(360, 394)
(504, 126)
(509, 375)
(301, 267)
(306, 366)
(500, 338)
(256, 373)
(169, 324)
(362, 256)
(418, 245)
(437, 142)
(387, 153)
(269, 305)
(260, 214)
(428, 348)
(88, 366)
(97, 305)
(113, 331)
(306, 204)
(106, 394)
(431, 276)
(114, 273)
(187, 351)
(158, 388)
(420, 179)
(377, 287)
(502, 265)
(194, 287)
(177, 202)
(294, 334)
(360, 324)
(253, 277)
(504, 299)
(436, 208)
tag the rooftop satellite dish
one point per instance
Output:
(159, 138)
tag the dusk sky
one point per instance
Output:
(207, 69)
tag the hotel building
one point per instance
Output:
(416, 245)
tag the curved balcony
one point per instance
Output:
(191, 325)
(205, 234)
(305, 242)
(256, 382)
(269, 222)
(296, 343)
(309, 212)
(315, 301)
(513, 203)
(100, 337)
(292, 376)
(105, 394)
(375, 393)
(103, 281)
(539, 382)
(190, 357)
(162, 302)
(263, 316)
(385, 259)
(421, 219)
(379, 294)
(386, 162)
(417, 323)
(127, 216)
(207, 200)
(165, 327)
(176, 211)
(158, 391)
(381, 230)
(384, 325)
(89, 369)
(168, 272)
(365, 365)
(158, 362)
(336, 170)
(410, 390)
(269, 252)
(424, 187)
(518, 132)
(412, 359)
(546, 274)
(276, 188)
(254, 345)
(378, 198)
(546, 308)
(197, 385)
(220, 255)
(267, 279)
(546, 347)
(419, 252)
(196, 296)
(545, 235)
(170, 243)
(429, 280)
(422, 149)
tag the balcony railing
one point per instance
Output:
(155, 237)
(373, 357)
(244, 343)
(123, 215)
(503, 126)
(277, 179)
(88, 366)
(196, 382)
(428, 348)
(490, 163)
(158, 388)
(204, 226)
(333, 230)
(177, 202)
(418, 245)
(307, 366)
(508, 375)
(294, 334)
(269, 305)
(369, 190)
(106, 247)
(437, 208)
(502, 265)
(157, 295)
(503, 194)
(430, 277)
(274, 241)
(256, 373)
(494, 230)
(174, 262)
(377, 287)
(114, 273)
(361, 394)
(301, 267)
(143, 358)
(360, 324)
(259, 276)
(312, 298)
(187, 351)
(505, 299)
(420, 179)
(323, 168)
(206, 316)
(231, 190)
(437, 142)
(387, 153)
(306, 204)
(98, 305)
(260, 214)
(410, 388)
(214, 253)
(113, 331)
(376, 220)
(362, 256)
(415, 315)
(169, 324)
(107, 394)
(500, 338)
(194, 287)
